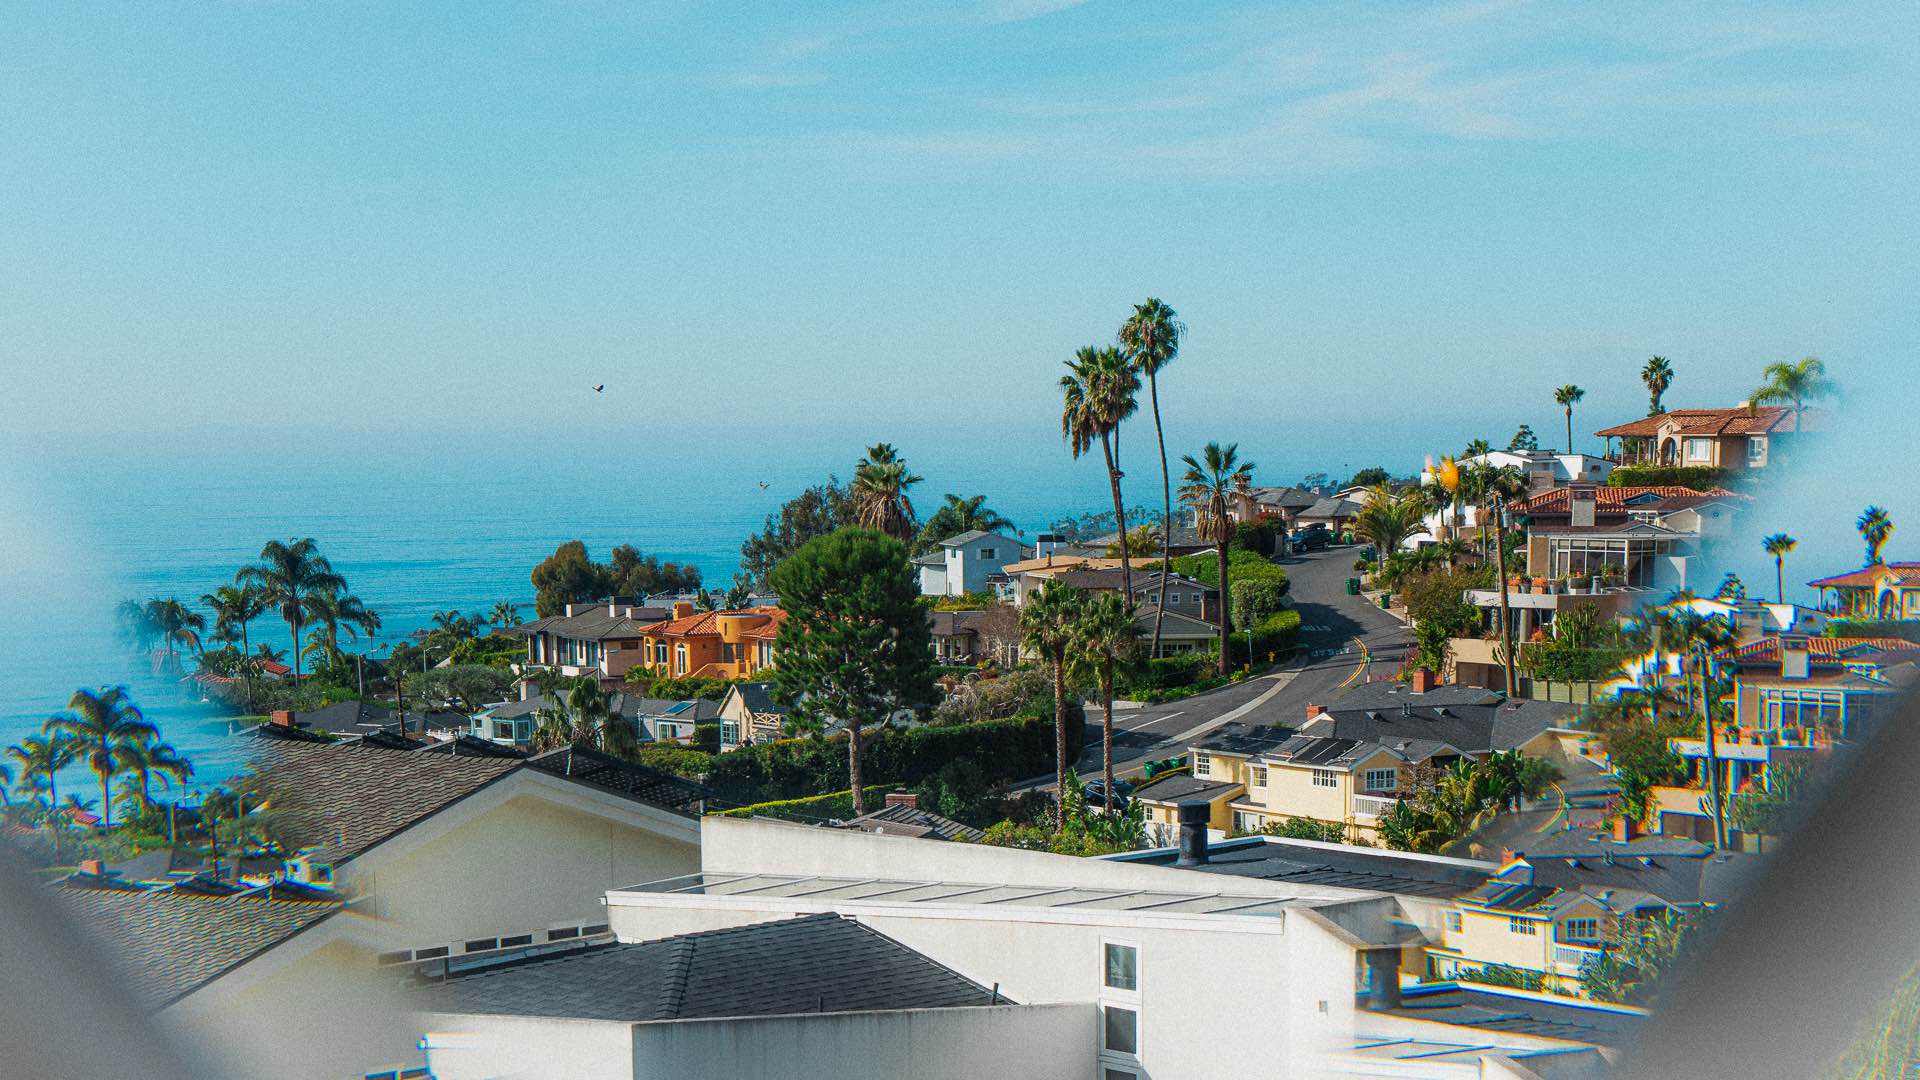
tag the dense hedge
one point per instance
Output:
(1557, 662)
(1872, 628)
(1242, 565)
(1274, 635)
(838, 804)
(1697, 477)
(1017, 748)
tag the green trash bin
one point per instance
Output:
(1353, 586)
(1386, 600)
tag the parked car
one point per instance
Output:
(1096, 792)
(1311, 539)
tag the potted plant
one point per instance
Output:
(1577, 585)
(1540, 585)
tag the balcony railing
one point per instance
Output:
(1577, 957)
(1373, 806)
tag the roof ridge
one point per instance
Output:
(673, 988)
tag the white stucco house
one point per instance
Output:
(964, 562)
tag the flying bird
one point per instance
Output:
(763, 485)
(599, 388)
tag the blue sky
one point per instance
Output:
(1388, 227)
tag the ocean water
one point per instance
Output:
(447, 526)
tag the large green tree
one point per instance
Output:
(1795, 384)
(108, 732)
(570, 576)
(856, 646)
(1151, 336)
(814, 512)
(1099, 391)
(290, 576)
(960, 515)
(1046, 631)
(466, 687)
(1210, 481)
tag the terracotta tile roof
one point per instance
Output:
(169, 943)
(768, 630)
(1761, 420)
(707, 623)
(1615, 498)
(1825, 649)
(1868, 576)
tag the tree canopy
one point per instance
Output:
(569, 576)
(815, 512)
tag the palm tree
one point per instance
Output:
(880, 484)
(40, 759)
(1151, 336)
(505, 613)
(1210, 481)
(1104, 637)
(1778, 545)
(1386, 520)
(1795, 384)
(332, 610)
(1658, 375)
(1876, 527)
(967, 515)
(1476, 449)
(233, 607)
(290, 575)
(175, 622)
(108, 731)
(1568, 396)
(1099, 390)
(1047, 631)
(135, 625)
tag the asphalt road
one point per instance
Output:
(1344, 641)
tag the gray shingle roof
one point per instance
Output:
(169, 943)
(608, 773)
(631, 706)
(758, 698)
(1237, 737)
(971, 535)
(1464, 717)
(1184, 786)
(1519, 1015)
(1307, 863)
(346, 797)
(819, 963)
(903, 820)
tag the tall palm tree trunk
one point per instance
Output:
(1108, 447)
(1226, 609)
(297, 624)
(1060, 743)
(1569, 429)
(1166, 520)
(1106, 731)
(853, 768)
(1780, 577)
(106, 799)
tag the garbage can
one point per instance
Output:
(1353, 586)
(1386, 600)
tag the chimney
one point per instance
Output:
(1795, 659)
(903, 798)
(1625, 829)
(1315, 710)
(281, 718)
(1383, 979)
(682, 609)
(1193, 816)
(1423, 680)
(1581, 501)
(94, 867)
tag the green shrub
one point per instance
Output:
(1557, 661)
(492, 650)
(1869, 628)
(1242, 565)
(1502, 975)
(1016, 748)
(1697, 477)
(639, 682)
(1274, 636)
(1259, 537)
(1331, 832)
(834, 805)
(707, 737)
(678, 760)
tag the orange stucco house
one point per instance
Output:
(711, 644)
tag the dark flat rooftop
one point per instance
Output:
(1304, 862)
(1488, 1011)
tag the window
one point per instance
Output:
(1756, 449)
(516, 941)
(1517, 925)
(680, 659)
(1202, 765)
(1259, 774)
(1122, 970)
(1581, 930)
(988, 553)
(320, 874)
(1325, 778)
(1382, 779)
(563, 933)
(1246, 822)
(1455, 922)
(1120, 1030)
(1699, 449)
(482, 944)
(434, 952)
(1119, 1074)
(729, 733)
(660, 653)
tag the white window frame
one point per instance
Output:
(1203, 764)
(1120, 1057)
(1247, 821)
(1115, 994)
(1126, 1000)
(1756, 449)
(1523, 927)
(1257, 776)
(1456, 922)
(1571, 937)
(1688, 445)
(1393, 780)
(1327, 778)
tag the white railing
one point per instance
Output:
(1576, 956)
(1373, 806)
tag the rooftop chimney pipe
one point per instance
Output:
(1383, 979)
(1193, 816)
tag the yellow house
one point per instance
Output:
(1344, 782)
(1887, 591)
(711, 644)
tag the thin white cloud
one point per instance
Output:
(995, 12)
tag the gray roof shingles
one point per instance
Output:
(817, 963)
(169, 943)
(1518, 1015)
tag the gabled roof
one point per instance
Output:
(1183, 786)
(168, 943)
(757, 697)
(1243, 739)
(1758, 420)
(968, 537)
(813, 964)
(596, 623)
(1284, 497)
(1464, 717)
(1333, 507)
(1617, 499)
(1824, 650)
(1905, 573)
(608, 773)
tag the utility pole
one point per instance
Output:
(1506, 608)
